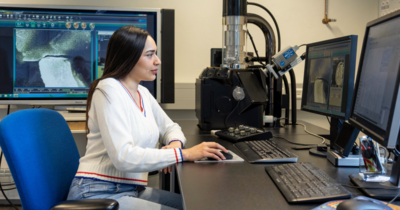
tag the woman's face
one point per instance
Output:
(147, 66)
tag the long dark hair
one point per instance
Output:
(123, 52)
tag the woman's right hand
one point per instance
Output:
(205, 149)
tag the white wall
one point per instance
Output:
(198, 28)
(198, 24)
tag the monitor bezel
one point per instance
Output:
(80, 101)
(376, 133)
(350, 84)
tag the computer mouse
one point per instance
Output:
(354, 204)
(227, 155)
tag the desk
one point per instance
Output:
(76, 121)
(241, 185)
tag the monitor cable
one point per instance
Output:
(312, 134)
(396, 152)
(1, 185)
(387, 204)
(302, 45)
(328, 120)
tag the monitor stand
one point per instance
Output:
(337, 160)
(333, 130)
(381, 194)
(316, 152)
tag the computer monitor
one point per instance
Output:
(375, 108)
(329, 79)
(51, 54)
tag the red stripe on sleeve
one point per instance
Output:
(176, 156)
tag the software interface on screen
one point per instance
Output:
(58, 53)
(325, 81)
(378, 74)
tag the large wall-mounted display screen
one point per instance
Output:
(57, 53)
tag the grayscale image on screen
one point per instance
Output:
(319, 80)
(53, 58)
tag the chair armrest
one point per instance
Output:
(89, 204)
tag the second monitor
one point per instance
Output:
(329, 79)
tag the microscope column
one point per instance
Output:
(234, 37)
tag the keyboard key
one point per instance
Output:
(304, 182)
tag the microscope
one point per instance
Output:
(233, 91)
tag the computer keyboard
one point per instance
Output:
(243, 133)
(265, 151)
(305, 182)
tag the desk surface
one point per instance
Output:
(241, 185)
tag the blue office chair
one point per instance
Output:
(43, 158)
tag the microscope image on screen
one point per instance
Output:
(336, 89)
(319, 80)
(53, 58)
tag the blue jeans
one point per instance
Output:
(128, 196)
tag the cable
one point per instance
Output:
(226, 119)
(340, 124)
(302, 45)
(273, 18)
(393, 199)
(387, 153)
(396, 152)
(312, 134)
(255, 49)
(294, 142)
(328, 120)
(8, 109)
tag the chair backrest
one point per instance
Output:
(41, 154)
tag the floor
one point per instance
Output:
(154, 179)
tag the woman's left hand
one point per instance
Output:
(175, 144)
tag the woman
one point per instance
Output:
(125, 123)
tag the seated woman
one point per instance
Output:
(124, 124)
